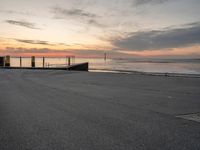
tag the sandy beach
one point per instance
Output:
(66, 110)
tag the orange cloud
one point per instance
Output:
(187, 51)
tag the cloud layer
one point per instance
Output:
(25, 13)
(39, 42)
(142, 2)
(22, 23)
(61, 12)
(47, 51)
(34, 42)
(79, 15)
(160, 39)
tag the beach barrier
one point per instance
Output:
(5, 63)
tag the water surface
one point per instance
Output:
(184, 66)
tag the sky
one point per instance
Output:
(89, 28)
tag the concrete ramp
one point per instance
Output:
(79, 67)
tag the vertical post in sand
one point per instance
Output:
(66, 60)
(2, 61)
(43, 61)
(105, 56)
(20, 59)
(7, 61)
(69, 61)
(33, 61)
(74, 59)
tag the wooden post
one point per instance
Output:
(20, 58)
(69, 61)
(66, 60)
(2, 62)
(74, 59)
(33, 61)
(7, 61)
(43, 61)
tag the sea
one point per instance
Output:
(181, 66)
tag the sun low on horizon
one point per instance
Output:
(89, 28)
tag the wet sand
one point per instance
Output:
(59, 110)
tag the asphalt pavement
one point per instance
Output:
(66, 110)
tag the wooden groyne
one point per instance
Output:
(5, 64)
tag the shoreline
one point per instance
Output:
(167, 74)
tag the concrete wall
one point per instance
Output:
(79, 67)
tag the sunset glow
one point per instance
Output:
(88, 28)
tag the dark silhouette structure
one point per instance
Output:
(33, 61)
(1, 61)
(7, 61)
